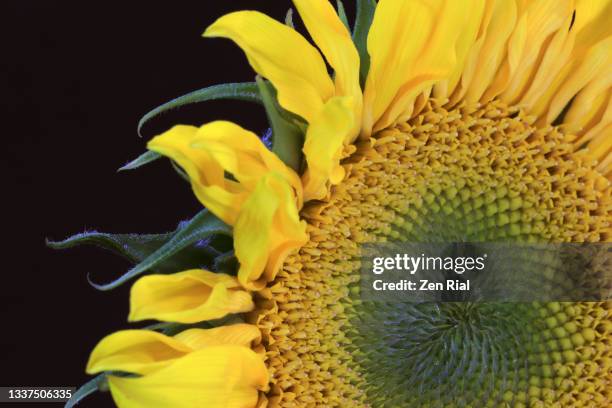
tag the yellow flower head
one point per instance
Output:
(462, 120)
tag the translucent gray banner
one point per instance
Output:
(486, 272)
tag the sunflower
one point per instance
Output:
(469, 121)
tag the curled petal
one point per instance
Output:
(221, 196)
(336, 44)
(209, 152)
(323, 147)
(135, 351)
(280, 54)
(217, 377)
(266, 231)
(243, 154)
(187, 297)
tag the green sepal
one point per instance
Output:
(145, 158)
(342, 14)
(203, 225)
(148, 157)
(284, 114)
(134, 247)
(363, 21)
(162, 253)
(98, 383)
(172, 328)
(180, 171)
(289, 18)
(138, 247)
(226, 263)
(243, 91)
(287, 129)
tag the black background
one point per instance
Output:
(76, 77)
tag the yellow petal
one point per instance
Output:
(395, 22)
(555, 57)
(580, 62)
(462, 21)
(267, 230)
(514, 50)
(215, 377)
(208, 152)
(595, 64)
(221, 196)
(493, 49)
(187, 297)
(233, 335)
(599, 127)
(543, 19)
(135, 351)
(282, 55)
(436, 37)
(243, 154)
(336, 44)
(597, 138)
(589, 10)
(600, 149)
(592, 21)
(587, 110)
(323, 147)
(467, 71)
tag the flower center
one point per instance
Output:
(466, 174)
